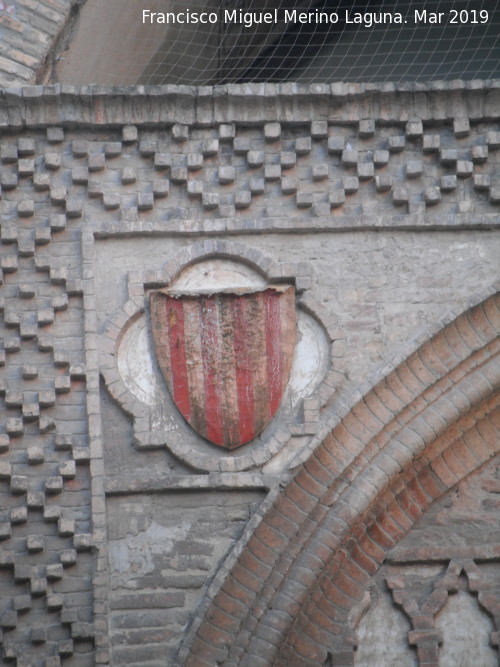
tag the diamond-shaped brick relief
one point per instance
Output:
(55, 135)
(54, 181)
(495, 195)
(479, 153)
(189, 170)
(36, 217)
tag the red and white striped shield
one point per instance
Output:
(226, 357)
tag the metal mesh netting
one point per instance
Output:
(457, 40)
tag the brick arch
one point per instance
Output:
(322, 626)
(401, 446)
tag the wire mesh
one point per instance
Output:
(457, 40)
(122, 42)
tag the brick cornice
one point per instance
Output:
(248, 104)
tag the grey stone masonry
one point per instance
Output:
(419, 154)
(379, 203)
(45, 486)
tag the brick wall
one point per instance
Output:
(380, 207)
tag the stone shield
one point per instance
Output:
(226, 357)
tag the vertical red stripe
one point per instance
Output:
(210, 346)
(180, 384)
(227, 381)
(244, 378)
(273, 348)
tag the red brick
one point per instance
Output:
(265, 644)
(343, 656)
(308, 483)
(452, 433)
(491, 406)
(271, 537)
(435, 420)
(488, 431)
(409, 379)
(431, 484)
(230, 605)
(293, 593)
(410, 508)
(428, 654)
(354, 571)
(431, 360)
(320, 619)
(356, 428)
(215, 636)
(379, 537)
(422, 621)
(377, 444)
(469, 455)
(344, 456)
(390, 527)
(391, 400)
(455, 342)
(246, 578)
(363, 414)
(420, 370)
(281, 567)
(313, 562)
(371, 549)
(346, 440)
(464, 393)
(221, 619)
(309, 650)
(318, 471)
(290, 510)
(300, 497)
(253, 564)
(417, 493)
(239, 592)
(321, 550)
(456, 464)
(423, 428)
(399, 388)
(481, 324)
(279, 522)
(349, 586)
(491, 308)
(279, 620)
(377, 408)
(201, 653)
(364, 561)
(261, 551)
(337, 597)
(445, 352)
(468, 334)
(372, 481)
(443, 385)
(443, 472)
(326, 606)
(326, 458)
(317, 631)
